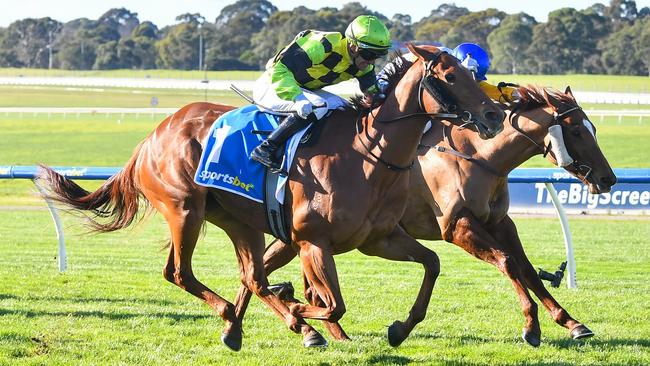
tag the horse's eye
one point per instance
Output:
(575, 132)
(451, 78)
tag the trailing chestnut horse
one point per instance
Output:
(338, 195)
(462, 197)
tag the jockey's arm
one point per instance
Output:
(296, 59)
(502, 94)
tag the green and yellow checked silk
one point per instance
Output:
(313, 60)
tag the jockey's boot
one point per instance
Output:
(266, 152)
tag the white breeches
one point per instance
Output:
(265, 97)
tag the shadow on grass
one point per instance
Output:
(104, 315)
(464, 339)
(595, 342)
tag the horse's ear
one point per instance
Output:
(568, 92)
(415, 50)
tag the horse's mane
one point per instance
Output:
(363, 103)
(531, 97)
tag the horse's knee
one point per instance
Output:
(336, 312)
(177, 277)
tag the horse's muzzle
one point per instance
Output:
(490, 124)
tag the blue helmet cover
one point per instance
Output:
(476, 53)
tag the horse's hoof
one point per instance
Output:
(232, 339)
(396, 334)
(283, 290)
(314, 339)
(531, 338)
(581, 332)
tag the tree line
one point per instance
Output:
(602, 39)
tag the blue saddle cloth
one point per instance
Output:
(225, 161)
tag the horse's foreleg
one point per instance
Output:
(399, 246)
(334, 328)
(506, 233)
(320, 271)
(471, 235)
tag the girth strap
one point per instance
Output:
(274, 210)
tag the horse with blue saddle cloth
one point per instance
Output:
(348, 191)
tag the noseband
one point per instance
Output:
(575, 166)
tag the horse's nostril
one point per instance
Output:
(491, 116)
(609, 180)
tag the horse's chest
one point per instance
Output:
(376, 217)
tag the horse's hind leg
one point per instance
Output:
(249, 248)
(469, 234)
(184, 219)
(507, 235)
(399, 246)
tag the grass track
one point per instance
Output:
(114, 307)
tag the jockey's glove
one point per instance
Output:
(303, 106)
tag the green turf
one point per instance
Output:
(582, 82)
(157, 74)
(114, 307)
(37, 96)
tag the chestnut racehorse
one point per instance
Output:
(347, 191)
(462, 198)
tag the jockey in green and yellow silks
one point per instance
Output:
(293, 79)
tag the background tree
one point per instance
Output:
(7, 54)
(561, 44)
(624, 51)
(76, 47)
(431, 29)
(509, 42)
(121, 20)
(106, 57)
(179, 48)
(28, 40)
(233, 31)
(621, 13)
(473, 27)
(400, 27)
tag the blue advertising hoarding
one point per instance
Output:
(627, 197)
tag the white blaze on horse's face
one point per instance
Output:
(590, 127)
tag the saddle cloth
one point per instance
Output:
(225, 162)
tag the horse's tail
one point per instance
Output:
(117, 200)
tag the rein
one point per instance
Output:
(427, 82)
(452, 151)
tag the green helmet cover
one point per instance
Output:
(366, 31)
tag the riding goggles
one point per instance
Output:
(370, 54)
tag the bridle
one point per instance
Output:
(430, 83)
(576, 167)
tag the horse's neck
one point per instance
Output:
(510, 148)
(396, 142)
